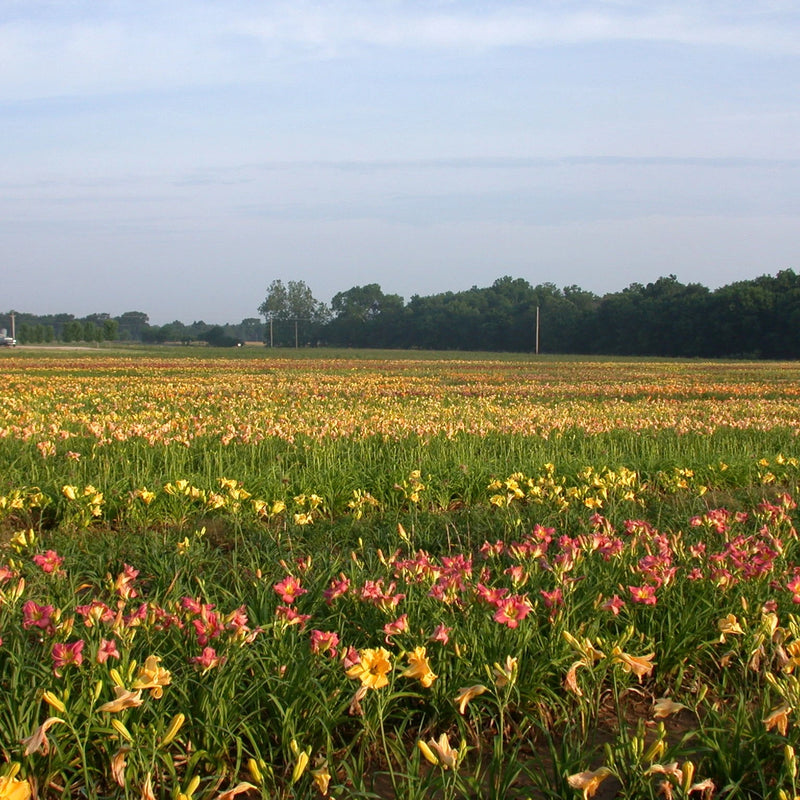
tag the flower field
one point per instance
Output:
(408, 578)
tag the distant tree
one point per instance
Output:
(72, 331)
(24, 333)
(110, 329)
(132, 324)
(293, 303)
(92, 332)
(251, 329)
(363, 317)
(216, 337)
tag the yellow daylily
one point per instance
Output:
(419, 667)
(372, 668)
(11, 788)
(321, 777)
(152, 677)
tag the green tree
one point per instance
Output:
(295, 304)
(110, 330)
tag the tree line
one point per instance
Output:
(758, 318)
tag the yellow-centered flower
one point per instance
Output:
(372, 669)
(419, 667)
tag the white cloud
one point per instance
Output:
(51, 49)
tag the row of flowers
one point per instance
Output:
(535, 627)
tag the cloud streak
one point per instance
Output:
(53, 49)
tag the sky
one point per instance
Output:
(176, 157)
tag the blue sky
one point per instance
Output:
(176, 157)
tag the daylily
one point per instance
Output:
(67, 654)
(446, 756)
(124, 699)
(511, 610)
(419, 667)
(107, 649)
(208, 659)
(664, 707)
(640, 666)
(11, 788)
(589, 781)
(441, 633)
(468, 693)
(778, 719)
(324, 642)
(400, 625)
(372, 668)
(289, 589)
(118, 764)
(48, 562)
(243, 786)
(321, 777)
(152, 677)
(38, 740)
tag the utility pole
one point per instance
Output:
(537, 330)
(13, 328)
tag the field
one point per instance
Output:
(395, 576)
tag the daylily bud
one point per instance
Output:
(172, 730)
(300, 767)
(791, 760)
(255, 771)
(53, 700)
(427, 752)
(120, 728)
(688, 775)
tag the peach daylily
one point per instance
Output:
(664, 707)
(38, 740)
(468, 693)
(124, 699)
(588, 781)
(445, 755)
(778, 719)
(243, 786)
(640, 666)
(118, 765)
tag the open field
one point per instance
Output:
(391, 575)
